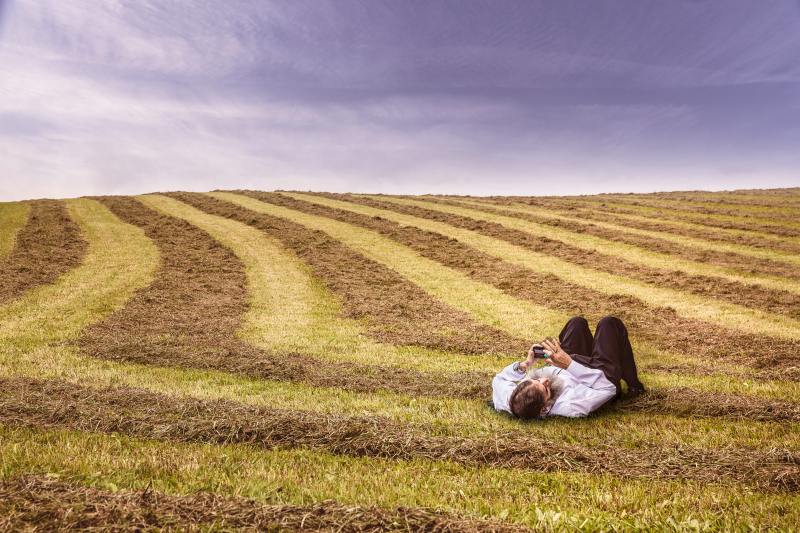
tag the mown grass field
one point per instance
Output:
(239, 360)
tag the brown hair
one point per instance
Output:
(526, 401)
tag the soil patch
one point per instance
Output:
(393, 309)
(189, 315)
(49, 245)
(655, 325)
(60, 405)
(32, 502)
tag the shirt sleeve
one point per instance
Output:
(503, 385)
(593, 390)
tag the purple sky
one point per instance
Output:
(477, 97)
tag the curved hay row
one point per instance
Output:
(47, 246)
(592, 244)
(59, 405)
(36, 502)
(736, 257)
(119, 260)
(12, 219)
(686, 305)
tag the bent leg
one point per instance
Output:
(576, 339)
(613, 354)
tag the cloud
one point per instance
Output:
(118, 96)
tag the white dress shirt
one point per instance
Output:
(585, 389)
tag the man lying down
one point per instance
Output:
(585, 373)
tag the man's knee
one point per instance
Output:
(578, 321)
(611, 322)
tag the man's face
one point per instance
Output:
(543, 385)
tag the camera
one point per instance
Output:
(538, 352)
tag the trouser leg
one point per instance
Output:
(576, 339)
(612, 353)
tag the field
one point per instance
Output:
(242, 360)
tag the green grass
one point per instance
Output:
(291, 310)
(12, 219)
(555, 501)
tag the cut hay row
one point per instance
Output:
(47, 246)
(632, 261)
(13, 216)
(35, 502)
(745, 258)
(558, 502)
(725, 222)
(132, 412)
(394, 309)
(686, 305)
(119, 260)
(653, 326)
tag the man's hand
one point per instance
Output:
(558, 357)
(530, 360)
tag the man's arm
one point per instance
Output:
(593, 390)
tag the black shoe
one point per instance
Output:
(633, 393)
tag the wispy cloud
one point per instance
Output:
(522, 97)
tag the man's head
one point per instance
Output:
(530, 398)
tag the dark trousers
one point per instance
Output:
(609, 350)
